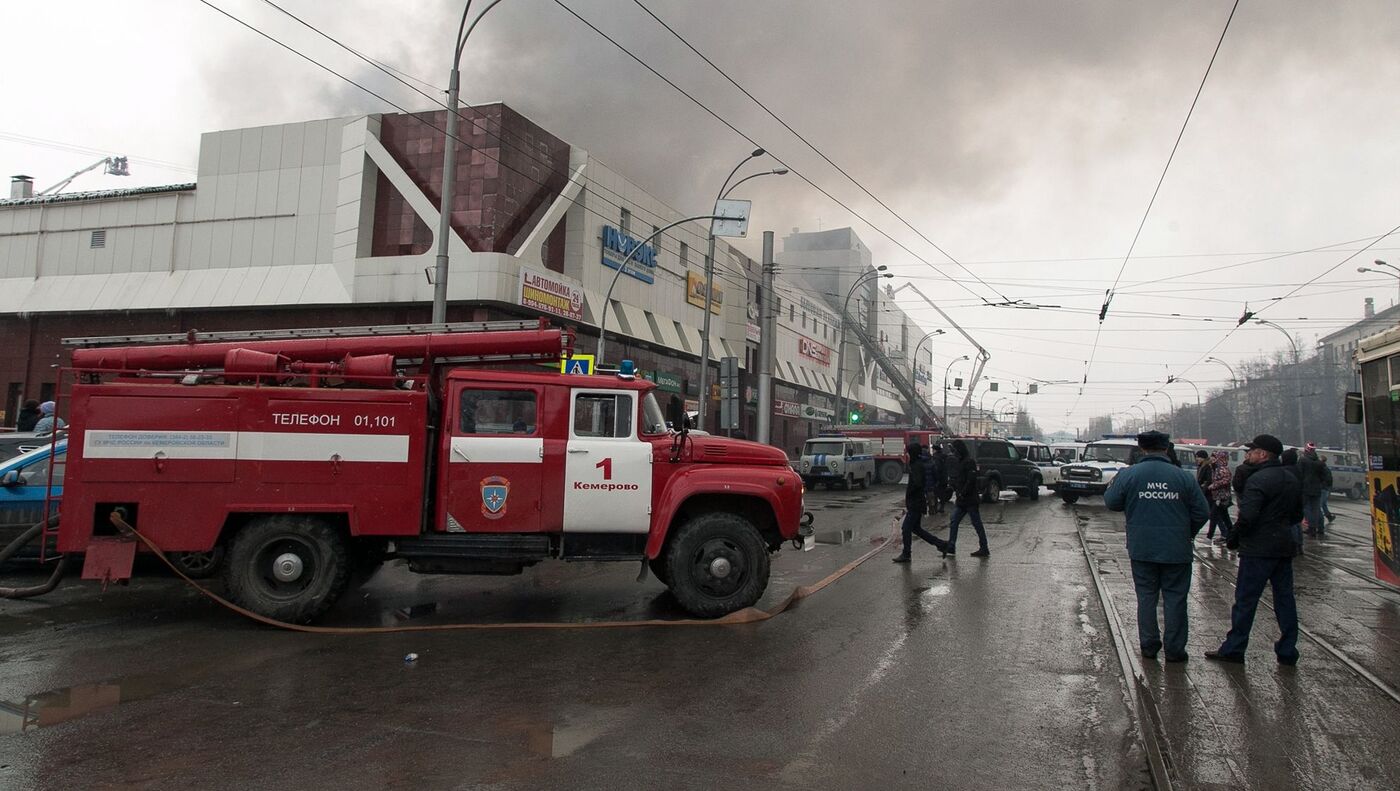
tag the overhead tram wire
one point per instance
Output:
(1244, 319)
(734, 281)
(753, 142)
(1108, 296)
(813, 147)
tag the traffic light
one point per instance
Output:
(858, 413)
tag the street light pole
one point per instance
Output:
(947, 371)
(914, 360)
(449, 163)
(1395, 274)
(1174, 379)
(1144, 415)
(709, 295)
(1298, 373)
(607, 300)
(864, 277)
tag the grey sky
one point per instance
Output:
(1005, 131)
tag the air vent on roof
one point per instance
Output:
(99, 239)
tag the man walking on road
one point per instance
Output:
(1271, 505)
(1165, 509)
(1311, 472)
(915, 501)
(967, 499)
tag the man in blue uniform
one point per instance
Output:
(1165, 509)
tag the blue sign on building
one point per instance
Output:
(616, 246)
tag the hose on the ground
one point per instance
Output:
(21, 541)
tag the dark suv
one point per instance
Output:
(999, 466)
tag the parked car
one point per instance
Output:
(837, 461)
(23, 482)
(1039, 454)
(14, 443)
(1000, 466)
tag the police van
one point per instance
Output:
(1102, 461)
(837, 461)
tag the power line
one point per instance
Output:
(810, 145)
(754, 143)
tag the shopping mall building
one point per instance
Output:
(332, 223)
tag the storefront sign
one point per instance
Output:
(668, 382)
(788, 408)
(817, 413)
(752, 333)
(617, 245)
(695, 292)
(812, 350)
(550, 294)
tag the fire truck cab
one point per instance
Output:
(309, 474)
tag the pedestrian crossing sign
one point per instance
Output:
(577, 364)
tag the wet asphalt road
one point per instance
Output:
(959, 673)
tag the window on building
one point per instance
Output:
(497, 412)
(99, 239)
(626, 223)
(685, 255)
(792, 312)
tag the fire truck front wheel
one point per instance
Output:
(717, 563)
(288, 568)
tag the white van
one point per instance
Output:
(837, 461)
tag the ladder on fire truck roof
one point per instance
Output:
(195, 336)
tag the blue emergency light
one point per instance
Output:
(627, 370)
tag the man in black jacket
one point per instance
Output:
(1271, 505)
(915, 501)
(1311, 472)
(967, 498)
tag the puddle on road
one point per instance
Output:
(941, 589)
(60, 705)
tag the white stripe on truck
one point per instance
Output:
(248, 445)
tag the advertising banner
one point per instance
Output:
(550, 294)
(695, 292)
(616, 247)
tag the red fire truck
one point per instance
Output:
(307, 458)
(888, 444)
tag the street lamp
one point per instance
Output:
(1155, 420)
(947, 371)
(1175, 379)
(1144, 414)
(1395, 274)
(607, 300)
(1171, 407)
(710, 283)
(914, 359)
(865, 277)
(1298, 372)
(449, 162)
(1234, 380)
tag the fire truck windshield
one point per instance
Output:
(653, 419)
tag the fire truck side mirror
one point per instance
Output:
(1351, 411)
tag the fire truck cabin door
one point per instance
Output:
(494, 463)
(607, 468)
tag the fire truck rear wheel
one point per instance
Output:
(288, 568)
(717, 563)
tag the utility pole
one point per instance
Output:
(766, 343)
